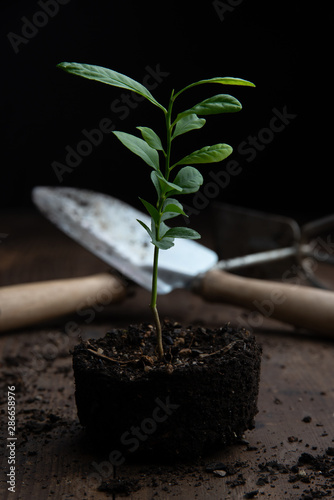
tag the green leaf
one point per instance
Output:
(172, 210)
(189, 179)
(156, 183)
(151, 138)
(151, 210)
(220, 103)
(109, 77)
(164, 185)
(140, 148)
(162, 242)
(145, 227)
(171, 201)
(163, 228)
(186, 123)
(183, 232)
(225, 80)
(208, 154)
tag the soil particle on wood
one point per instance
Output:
(307, 419)
(251, 494)
(120, 486)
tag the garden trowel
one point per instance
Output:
(108, 228)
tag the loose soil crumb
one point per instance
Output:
(120, 486)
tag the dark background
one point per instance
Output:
(285, 50)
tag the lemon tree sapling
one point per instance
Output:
(170, 178)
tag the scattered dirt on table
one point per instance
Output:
(44, 418)
(311, 477)
(313, 473)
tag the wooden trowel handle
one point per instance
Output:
(302, 306)
(31, 303)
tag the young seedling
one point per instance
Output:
(151, 149)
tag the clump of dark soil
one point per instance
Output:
(122, 487)
(312, 475)
(201, 397)
(315, 471)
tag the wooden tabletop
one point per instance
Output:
(288, 455)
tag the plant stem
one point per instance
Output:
(160, 203)
(169, 135)
(153, 304)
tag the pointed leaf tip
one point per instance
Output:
(140, 148)
(208, 154)
(109, 77)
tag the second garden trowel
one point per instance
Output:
(271, 246)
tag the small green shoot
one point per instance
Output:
(168, 180)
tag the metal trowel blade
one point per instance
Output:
(109, 229)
